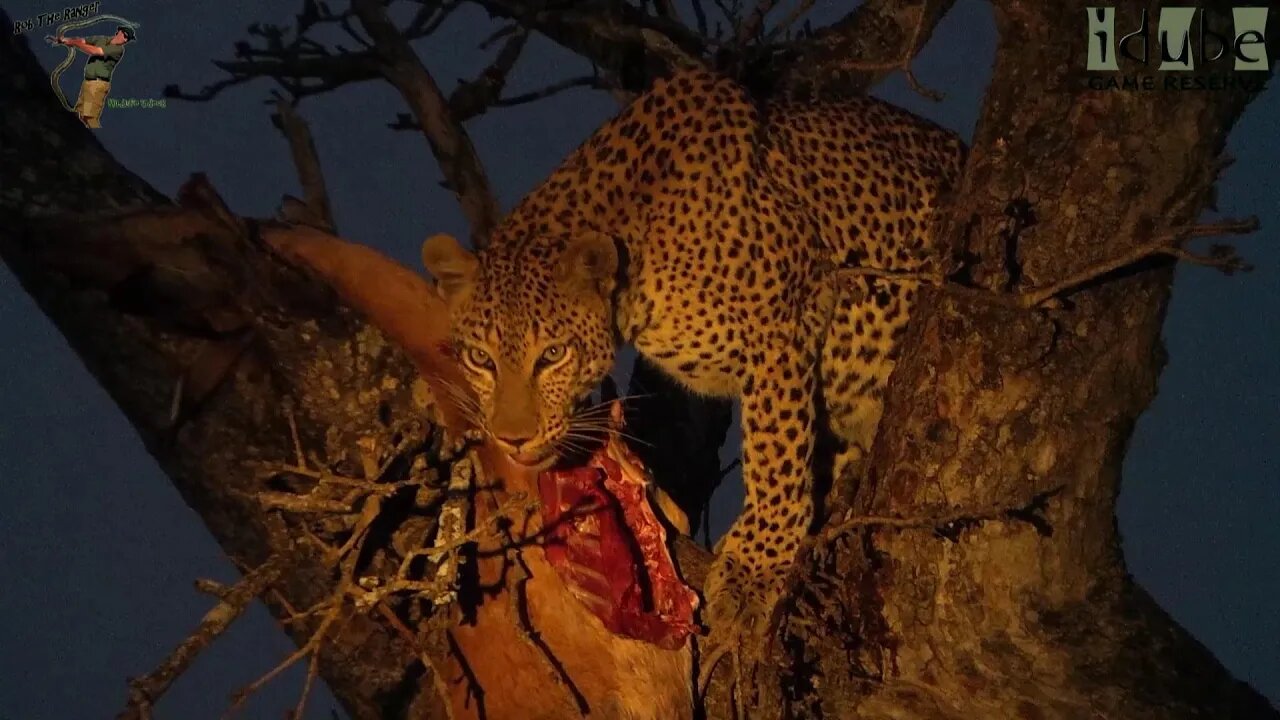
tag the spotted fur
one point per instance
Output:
(700, 227)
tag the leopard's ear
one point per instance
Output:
(590, 263)
(453, 266)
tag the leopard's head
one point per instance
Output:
(533, 329)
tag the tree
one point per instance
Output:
(979, 552)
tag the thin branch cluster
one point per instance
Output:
(403, 576)
(324, 50)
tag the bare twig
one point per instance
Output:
(464, 110)
(752, 27)
(430, 17)
(307, 162)
(471, 98)
(951, 523)
(350, 31)
(302, 66)
(355, 594)
(611, 35)
(298, 454)
(724, 471)
(302, 503)
(346, 556)
(313, 669)
(506, 30)
(850, 54)
(312, 646)
(145, 690)
(212, 587)
(730, 13)
(585, 81)
(369, 486)
(298, 74)
(435, 665)
(700, 16)
(1221, 257)
(903, 63)
(784, 26)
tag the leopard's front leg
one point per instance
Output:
(751, 571)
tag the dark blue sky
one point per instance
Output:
(99, 552)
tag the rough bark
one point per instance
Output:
(853, 54)
(146, 305)
(621, 39)
(1005, 429)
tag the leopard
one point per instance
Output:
(702, 226)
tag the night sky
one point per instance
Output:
(99, 552)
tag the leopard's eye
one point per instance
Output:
(552, 354)
(479, 358)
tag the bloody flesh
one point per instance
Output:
(607, 544)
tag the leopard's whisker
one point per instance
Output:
(605, 430)
(593, 439)
(563, 444)
(607, 405)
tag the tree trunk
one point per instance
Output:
(981, 575)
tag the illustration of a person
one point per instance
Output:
(105, 52)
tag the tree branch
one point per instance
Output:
(303, 66)
(146, 690)
(473, 98)
(624, 41)
(859, 50)
(947, 524)
(404, 122)
(784, 26)
(753, 26)
(1221, 257)
(315, 209)
(448, 139)
(593, 82)
(988, 402)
